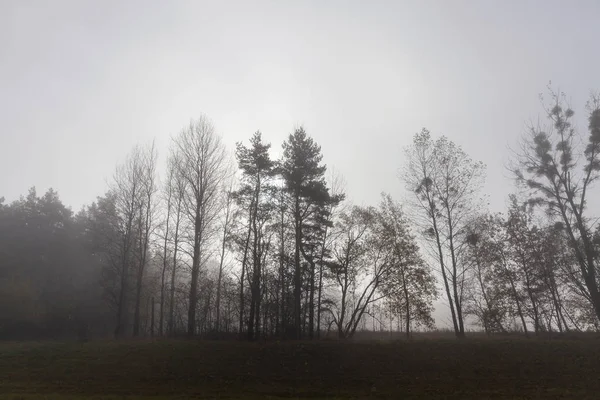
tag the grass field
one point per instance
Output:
(429, 369)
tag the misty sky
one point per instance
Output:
(82, 81)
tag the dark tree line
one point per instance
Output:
(272, 248)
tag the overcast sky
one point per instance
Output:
(82, 81)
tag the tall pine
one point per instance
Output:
(308, 196)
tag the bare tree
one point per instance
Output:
(202, 166)
(337, 185)
(358, 266)
(226, 226)
(445, 182)
(169, 197)
(147, 210)
(410, 284)
(178, 187)
(127, 190)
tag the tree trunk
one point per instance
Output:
(281, 268)
(122, 306)
(193, 298)
(311, 302)
(164, 268)
(407, 301)
(444, 275)
(174, 270)
(221, 261)
(297, 276)
(516, 297)
(138, 296)
(152, 319)
(162, 303)
(457, 299)
(244, 261)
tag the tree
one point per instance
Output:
(172, 201)
(559, 175)
(145, 221)
(337, 196)
(177, 189)
(128, 192)
(226, 227)
(525, 244)
(445, 182)
(49, 272)
(487, 294)
(303, 175)
(283, 258)
(201, 164)
(410, 285)
(349, 268)
(255, 193)
(542, 262)
(375, 257)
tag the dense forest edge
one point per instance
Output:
(264, 248)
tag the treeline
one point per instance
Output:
(533, 268)
(272, 248)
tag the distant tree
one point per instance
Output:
(201, 161)
(487, 294)
(355, 268)
(128, 192)
(374, 257)
(337, 197)
(526, 242)
(543, 263)
(228, 213)
(170, 199)
(48, 272)
(177, 188)
(145, 221)
(445, 182)
(410, 284)
(559, 174)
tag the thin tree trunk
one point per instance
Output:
(297, 276)
(122, 306)
(174, 270)
(516, 296)
(193, 297)
(444, 275)
(407, 301)
(457, 300)
(281, 267)
(222, 259)
(311, 302)
(244, 261)
(152, 318)
(164, 268)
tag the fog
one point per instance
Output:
(82, 83)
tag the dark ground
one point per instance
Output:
(428, 369)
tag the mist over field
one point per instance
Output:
(299, 199)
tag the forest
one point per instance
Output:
(235, 243)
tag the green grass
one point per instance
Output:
(444, 369)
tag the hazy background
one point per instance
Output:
(83, 81)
